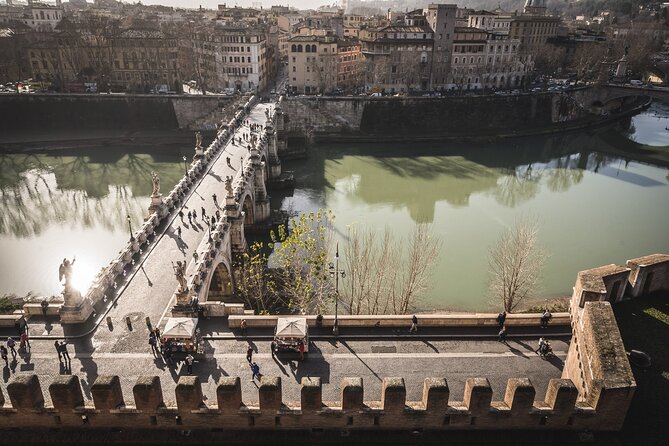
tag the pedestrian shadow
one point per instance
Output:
(555, 361)
(216, 176)
(252, 345)
(516, 352)
(141, 268)
(280, 365)
(359, 359)
(429, 344)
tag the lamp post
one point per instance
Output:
(336, 272)
(185, 165)
(132, 237)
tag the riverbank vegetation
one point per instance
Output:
(515, 264)
(384, 274)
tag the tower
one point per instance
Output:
(535, 7)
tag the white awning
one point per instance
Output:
(291, 327)
(180, 327)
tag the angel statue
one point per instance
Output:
(180, 273)
(156, 184)
(228, 186)
(198, 139)
(65, 270)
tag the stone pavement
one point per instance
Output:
(414, 360)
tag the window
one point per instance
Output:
(294, 69)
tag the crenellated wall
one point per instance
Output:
(149, 407)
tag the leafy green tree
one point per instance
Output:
(301, 259)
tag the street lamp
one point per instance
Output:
(185, 165)
(132, 237)
(336, 272)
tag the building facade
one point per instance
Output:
(312, 64)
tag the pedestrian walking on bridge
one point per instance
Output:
(11, 345)
(214, 197)
(249, 354)
(255, 371)
(414, 324)
(189, 363)
(194, 215)
(501, 318)
(179, 231)
(502, 334)
(203, 214)
(190, 218)
(3, 354)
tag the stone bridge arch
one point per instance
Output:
(248, 208)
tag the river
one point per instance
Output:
(595, 202)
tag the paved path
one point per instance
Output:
(151, 284)
(414, 360)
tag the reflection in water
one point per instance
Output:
(585, 188)
(66, 204)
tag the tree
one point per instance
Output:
(382, 276)
(515, 264)
(255, 283)
(301, 258)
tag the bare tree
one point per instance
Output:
(515, 264)
(423, 251)
(383, 277)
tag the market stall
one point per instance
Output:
(290, 333)
(180, 336)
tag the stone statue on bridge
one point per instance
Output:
(180, 273)
(198, 140)
(155, 180)
(65, 271)
(228, 185)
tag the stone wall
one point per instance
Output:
(393, 118)
(72, 112)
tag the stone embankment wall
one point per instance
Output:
(397, 118)
(71, 112)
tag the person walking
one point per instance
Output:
(243, 327)
(181, 215)
(56, 345)
(179, 232)
(501, 318)
(189, 363)
(249, 354)
(190, 218)
(45, 307)
(203, 214)
(542, 341)
(272, 347)
(11, 345)
(194, 215)
(63, 349)
(213, 196)
(502, 334)
(547, 316)
(153, 343)
(255, 371)
(25, 340)
(414, 324)
(3, 354)
(213, 221)
(227, 160)
(195, 256)
(300, 348)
